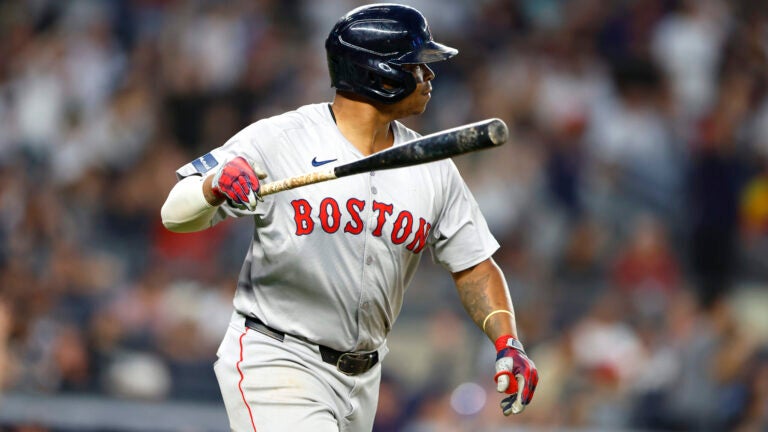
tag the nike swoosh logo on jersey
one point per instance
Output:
(317, 163)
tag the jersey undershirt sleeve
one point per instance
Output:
(461, 237)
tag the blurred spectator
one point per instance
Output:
(646, 269)
(634, 155)
(715, 181)
(687, 44)
(579, 274)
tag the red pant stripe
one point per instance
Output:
(242, 377)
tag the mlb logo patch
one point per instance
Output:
(205, 163)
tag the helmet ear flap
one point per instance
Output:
(388, 87)
(375, 80)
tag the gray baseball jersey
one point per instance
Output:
(330, 262)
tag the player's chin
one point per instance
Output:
(422, 105)
(418, 111)
(415, 104)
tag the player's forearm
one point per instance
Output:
(190, 205)
(483, 290)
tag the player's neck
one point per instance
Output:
(363, 125)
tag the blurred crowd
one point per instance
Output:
(631, 202)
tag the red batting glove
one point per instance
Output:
(516, 375)
(238, 183)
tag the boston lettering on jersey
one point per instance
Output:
(329, 215)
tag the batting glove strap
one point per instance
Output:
(516, 375)
(507, 341)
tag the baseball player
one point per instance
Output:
(328, 265)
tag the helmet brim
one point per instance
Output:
(430, 52)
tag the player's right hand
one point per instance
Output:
(516, 375)
(237, 181)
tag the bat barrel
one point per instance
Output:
(498, 132)
(471, 137)
(445, 144)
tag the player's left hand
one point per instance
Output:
(516, 375)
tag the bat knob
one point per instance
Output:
(498, 132)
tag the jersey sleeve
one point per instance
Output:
(461, 237)
(246, 144)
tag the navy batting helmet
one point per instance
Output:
(368, 47)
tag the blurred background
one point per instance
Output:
(631, 204)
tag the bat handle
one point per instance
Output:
(296, 181)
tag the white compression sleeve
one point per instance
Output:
(186, 209)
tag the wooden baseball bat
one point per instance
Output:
(440, 145)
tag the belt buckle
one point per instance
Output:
(348, 363)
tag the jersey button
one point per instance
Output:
(365, 306)
(369, 260)
(373, 173)
(373, 190)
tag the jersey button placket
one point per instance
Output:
(363, 320)
(374, 191)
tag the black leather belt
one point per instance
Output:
(348, 363)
